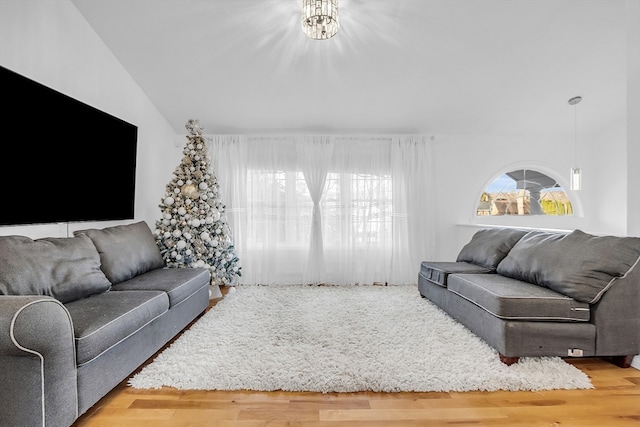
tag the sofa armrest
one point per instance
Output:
(37, 362)
(617, 317)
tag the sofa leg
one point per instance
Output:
(620, 361)
(508, 360)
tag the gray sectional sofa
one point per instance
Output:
(79, 314)
(539, 293)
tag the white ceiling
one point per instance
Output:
(397, 66)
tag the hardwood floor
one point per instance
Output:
(615, 401)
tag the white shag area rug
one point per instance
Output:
(341, 339)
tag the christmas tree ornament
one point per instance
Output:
(192, 229)
(189, 190)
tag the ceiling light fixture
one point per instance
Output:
(576, 173)
(320, 18)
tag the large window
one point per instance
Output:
(524, 192)
(358, 205)
(354, 205)
(318, 209)
(279, 209)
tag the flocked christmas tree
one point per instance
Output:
(193, 230)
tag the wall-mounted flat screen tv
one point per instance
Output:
(62, 160)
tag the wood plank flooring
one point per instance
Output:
(615, 401)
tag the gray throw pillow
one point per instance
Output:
(125, 250)
(488, 247)
(576, 264)
(66, 268)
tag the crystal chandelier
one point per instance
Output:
(320, 18)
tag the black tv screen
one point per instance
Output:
(62, 160)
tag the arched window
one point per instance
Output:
(524, 192)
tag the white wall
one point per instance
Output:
(611, 186)
(633, 117)
(465, 164)
(50, 42)
(610, 200)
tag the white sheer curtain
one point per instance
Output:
(279, 212)
(228, 154)
(320, 209)
(314, 159)
(357, 211)
(413, 205)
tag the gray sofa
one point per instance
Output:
(79, 314)
(538, 293)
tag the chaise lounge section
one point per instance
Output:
(539, 293)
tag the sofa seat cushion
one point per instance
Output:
(125, 250)
(178, 283)
(102, 321)
(513, 299)
(488, 247)
(66, 268)
(437, 272)
(576, 264)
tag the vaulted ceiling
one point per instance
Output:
(398, 66)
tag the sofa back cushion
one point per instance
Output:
(66, 268)
(488, 247)
(125, 250)
(575, 264)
